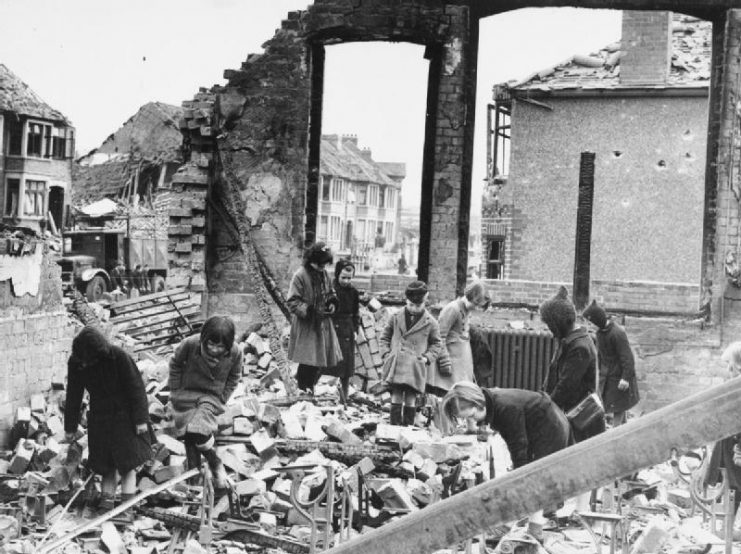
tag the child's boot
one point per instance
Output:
(395, 415)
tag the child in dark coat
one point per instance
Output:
(346, 321)
(529, 422)
(410, 343)
(118, 431)
(618, 385)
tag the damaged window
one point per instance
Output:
(498, 142)
(34, 198)
(15, 137)
(325, 189)
(323, 228)
(39, 140)
(12, 188)
(61, 143)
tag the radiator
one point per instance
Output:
(516, 358)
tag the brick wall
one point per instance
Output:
(186, 247)
(35, 339)
(35, 349)
(263, 120)
(646, 43)
(614, 295)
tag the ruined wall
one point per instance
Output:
(35, 333)
(268, 123)
(648, 197)
(633, 296)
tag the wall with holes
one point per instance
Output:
(649, 187)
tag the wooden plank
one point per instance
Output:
(149, 312)
(152, 328)
(701, 419)
(145, 305)
(154, 296)
(191, 310)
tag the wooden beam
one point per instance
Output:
(695, 421)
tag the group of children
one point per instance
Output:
(420, 355)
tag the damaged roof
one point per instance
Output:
(152, 133)
(349, 162)
(16, 96)
(690, 64)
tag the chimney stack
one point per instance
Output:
(647, 47)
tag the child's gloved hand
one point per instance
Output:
(142, 428)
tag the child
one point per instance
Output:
(346, 320)
(204, 372)
(410, 343)
(118, 431)
(530, 423)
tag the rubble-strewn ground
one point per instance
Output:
(275, 446)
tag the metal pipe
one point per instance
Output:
(695, 421)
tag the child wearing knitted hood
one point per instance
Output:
(572, 373)
(410, 343)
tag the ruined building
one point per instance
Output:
(255, 150)
(642, 107)
(37, 144)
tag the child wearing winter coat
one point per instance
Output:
(410, 344)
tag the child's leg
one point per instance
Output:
(410, 408)
(397, 399)
(108, 491)
(128, 485)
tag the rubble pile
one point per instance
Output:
(286, 455)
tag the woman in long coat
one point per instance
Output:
(530, 423)
(311, 299)
(204, 371)
(346, 321)
(456, 359)
(409, 343)
(118, 432)
(618, 383)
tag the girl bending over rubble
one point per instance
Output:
(410, 343)
(530, 423)
(118, 432)
(204, 372)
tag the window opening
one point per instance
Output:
(34, 198)
(12, 190)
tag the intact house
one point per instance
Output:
(359, 200)
(641, 106)
(37, 145)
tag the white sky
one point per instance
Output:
(98, 61)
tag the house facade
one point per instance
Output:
(37, 145)
(641, 106)
(359, 200)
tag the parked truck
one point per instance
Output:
(90, 254)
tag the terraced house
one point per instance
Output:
(37, 145)
(360, 199)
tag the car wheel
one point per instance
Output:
(95, 289)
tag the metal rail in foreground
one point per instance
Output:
(695, 421)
